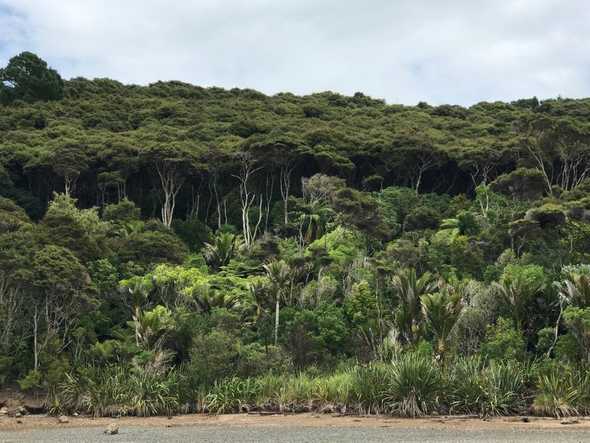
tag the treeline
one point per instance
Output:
(194, 242)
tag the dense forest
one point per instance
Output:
(172, 248)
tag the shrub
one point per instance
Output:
(151, 394)
(503, 342)
(557, 395)
(465, 393)
(116, 390)
(370, 385)
(503, 388)
(415, 386)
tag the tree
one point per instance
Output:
(248, 199)
(518, 287)
(221, 250)
(65, 292)
(12, 216)
(79, 230)
(281, 152)
(441, 311)
(408, 288)
(27, 77)
(172, 164)
(559, 150)
(413, 155)
(278, 274)
(69, 160)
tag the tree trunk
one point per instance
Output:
(285, 180)
(35, 343)
(171, 185)
(277, 307)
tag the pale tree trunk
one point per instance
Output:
(269, 193)
(171, 185)
(69, 184)
(247, 200)
(537, 155)
(218, 203)
(285, 179)
(277, 309)
(35, 338)
(574, 165)
(10, 304)
(424, 166)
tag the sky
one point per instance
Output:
(404, 51)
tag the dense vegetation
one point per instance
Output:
(175, 248)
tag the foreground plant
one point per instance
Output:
(415, 386)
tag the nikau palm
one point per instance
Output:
(408, 289)
(441, 311)
(278, 274)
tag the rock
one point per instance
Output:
(112, 429)
(63, 419)
(35, 409)
(19, 421)
(17, 414)
(569, 421)
(525, 419)
(3, 410)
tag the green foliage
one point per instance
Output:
(503, 341)
(558, 395)
(415, 385)
(27, 77)
(408, 288)
(419, 240)
(313, 336)
(441, 311)
(577, 321)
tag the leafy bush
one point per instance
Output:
(504, 388)
(465, 393)
(415, 386)
(116, 390)
(370, 385)
(503, 342)
(557, 394)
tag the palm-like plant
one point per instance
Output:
(138, 290)
(221, 250)
(518, 293)
(576, 290)
(441, 311)
(278, 273)
(208, 298)
(408, 289)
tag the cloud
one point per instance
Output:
(456, 51)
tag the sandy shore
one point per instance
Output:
(295, 420)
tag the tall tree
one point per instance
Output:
(172, 163)
(27, 77)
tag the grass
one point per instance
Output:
(411, 385)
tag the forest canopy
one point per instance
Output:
(201, 238)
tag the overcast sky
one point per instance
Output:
(439, 51)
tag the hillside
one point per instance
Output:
(173, 248)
